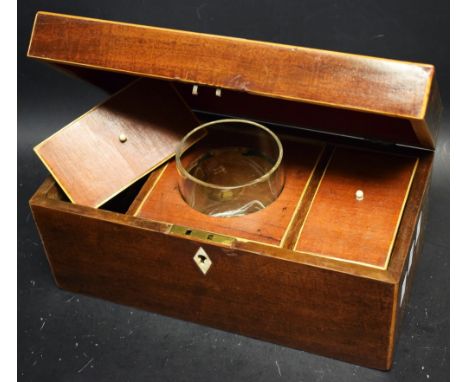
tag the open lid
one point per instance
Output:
(117, 142)
(390, 88)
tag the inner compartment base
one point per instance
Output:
(164, 203)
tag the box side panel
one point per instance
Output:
(427, 129)
(407, 276)
(414, 204)
(317, 310)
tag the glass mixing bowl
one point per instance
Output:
(230, 167)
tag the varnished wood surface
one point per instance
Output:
(414, 204)
(56, 242)
(307, 75)
(427, 129)
(75, 272)
(297, 222)
(339, 226)
(87, 158)
(317, 310)
(331, 223)
(163, 202)
(411, 264)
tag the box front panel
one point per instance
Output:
(317, 310)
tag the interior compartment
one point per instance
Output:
(119, 203)
(316, 213)
(164, 203)
(322, 218)
(343, 224)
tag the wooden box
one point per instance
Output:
(317, 270)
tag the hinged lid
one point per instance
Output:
(118, 142)
(399, 90)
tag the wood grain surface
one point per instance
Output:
(311, 308)
(164, 203)
(340, 226)
(340, 80)
(90, 162)
(351, 311)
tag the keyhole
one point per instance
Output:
(202, 259)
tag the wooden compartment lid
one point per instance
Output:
(117, 142)
(401, 90)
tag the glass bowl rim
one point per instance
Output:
(183, 172)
